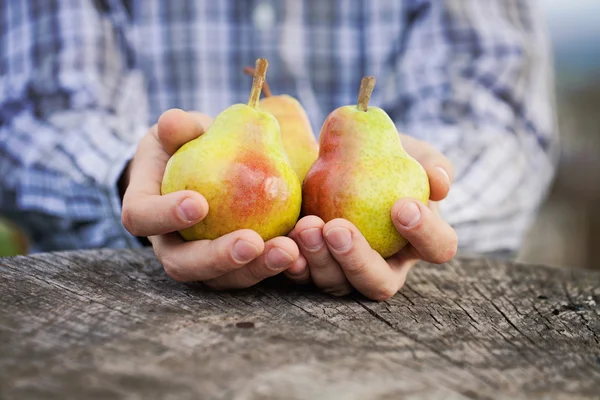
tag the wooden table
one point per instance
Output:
(111, 324)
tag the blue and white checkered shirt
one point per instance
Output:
(82, 80)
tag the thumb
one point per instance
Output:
(426, 231)
(176, 127)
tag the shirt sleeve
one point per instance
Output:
(474, 79)
(72, 110)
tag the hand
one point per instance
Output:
(236, 260)
(340, 258)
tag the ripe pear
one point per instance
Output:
(239, 165)
(361, 171)
(296, 132)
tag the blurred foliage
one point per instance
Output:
(13, 241)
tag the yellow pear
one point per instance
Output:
(296, 133)
(361, 171)
(240, 166)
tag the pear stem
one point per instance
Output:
(266, 90)
(258, 82)
(367, 84)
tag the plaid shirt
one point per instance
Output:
(82, 80)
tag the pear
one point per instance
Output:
(296, 132)
(240, 166)
(361, 171)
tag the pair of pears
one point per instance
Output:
(260, 168)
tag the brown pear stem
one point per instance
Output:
(367, 84)
(265, 89)
(258, 82)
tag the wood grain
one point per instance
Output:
(111, 324)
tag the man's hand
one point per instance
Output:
(236, 260)
(339, 257)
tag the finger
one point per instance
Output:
(299, 272)
(203, 119)
(402, 265)
(366, 270)
(325, 271)
(438, 167)
(203, 260)
(145, 212)
(148, 165)
(427, 232)
(149, 215)
(402, 262)
(439, 177)
(278, 255)
(177, 127)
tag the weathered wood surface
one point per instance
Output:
(111, 324)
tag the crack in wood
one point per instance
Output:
(417, 341)
(580, 315)
(466, 312)
(98, 324)
(504, 315)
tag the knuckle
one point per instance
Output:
(321, 263)
(401, 283)
(443, 256)
(355, 265)
(128, 219)
(383, 292)
(447, 253)
(454, 240)
(172, 269)
(257, 274)
(219, 259)
(438, 258)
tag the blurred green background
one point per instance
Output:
(567, 230)
(12, 241)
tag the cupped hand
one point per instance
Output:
(339, 258)
(237, 260)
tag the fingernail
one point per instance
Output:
(339, 238)
(443, 171)
(409, 215)
(312, 238)
(278, 258)
(189, 210)
(244, 251)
